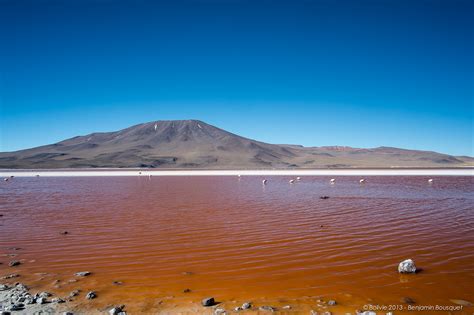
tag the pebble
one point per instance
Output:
(219, 311)
(267, 308)
(246, 305)
(41, 300)
(208, 301)
(287, 307)
(57, 300)
(186, 290)
(14, 263)
(117, 282)
(408, 300)
(91, 295)
(45, 294)
(331, 303)
(68, 313)
(13, 275)
(83, 273)
(3, 287)
(30, 300)
(21, 287)
(15, 307)
(74, 293)
(324, 197)
(116, 310)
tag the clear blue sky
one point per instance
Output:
(358, 73)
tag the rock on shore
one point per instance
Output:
(208, 301)
(17, 298)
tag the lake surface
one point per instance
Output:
(238, 240)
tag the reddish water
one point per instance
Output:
(276, 244)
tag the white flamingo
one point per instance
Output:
(430, 180)
(298, 178)
(292, 181)
(264, 181)
(362, 181)
(332, 181)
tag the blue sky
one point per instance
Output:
(329, 72)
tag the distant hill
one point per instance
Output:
(195, 144)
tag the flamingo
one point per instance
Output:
(332, 181)
(362, 181)
(430, 180)
(298, 178)
(292, 181)
(264, 181)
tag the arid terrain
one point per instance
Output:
(193, 144)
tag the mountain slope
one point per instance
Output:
(195, 144)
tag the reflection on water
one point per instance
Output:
(239, 239)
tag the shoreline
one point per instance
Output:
(315, 172)
(23, 299)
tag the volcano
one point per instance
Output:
(196, 144)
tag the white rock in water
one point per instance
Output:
(407, 266)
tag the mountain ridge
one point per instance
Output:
(196, 144)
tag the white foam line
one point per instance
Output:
(342, 172)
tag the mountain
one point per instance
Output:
(195, 144)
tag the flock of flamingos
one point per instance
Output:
(332, 180)
(264, 182)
